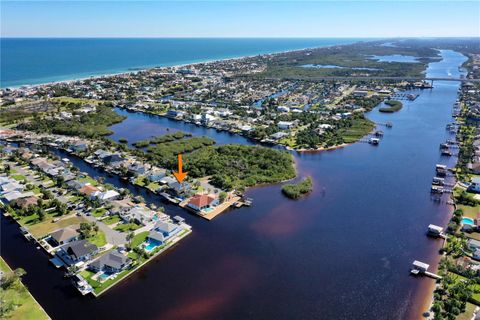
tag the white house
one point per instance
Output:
(284, 125)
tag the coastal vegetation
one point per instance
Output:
(349, 60)
(162, 139)
(16, 302)
(297, 190)
(165, 154)
(239, 166)
(346, 131)
(89, 125)
(393, 106)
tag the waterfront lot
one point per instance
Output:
(39, 230)
(27, 308)
(476, 288)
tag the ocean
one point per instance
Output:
(30, 61)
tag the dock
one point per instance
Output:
(421, 269)
(215, 211)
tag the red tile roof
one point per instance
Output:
(201, 200)
(88, 189)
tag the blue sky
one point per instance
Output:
(239, 18)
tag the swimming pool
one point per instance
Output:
(469, 221)
(104, 276)
(151, 244)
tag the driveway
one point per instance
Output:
(112, 236)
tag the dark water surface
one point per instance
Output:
(344, 252)
(27, 61)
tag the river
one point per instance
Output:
(344, 252)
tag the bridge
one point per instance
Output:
(410, 79)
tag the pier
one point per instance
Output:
(421, 269)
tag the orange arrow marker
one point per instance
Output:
(180, 175)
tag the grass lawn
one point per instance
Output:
(99, 287)
(34, 219)
(288, 141)
(27, 308)
(77, 100)
(358, 130)
(153, 186)
(468, 211)
(125, 227)
(140, 181)
(476, 288)
(99, 212)
(111, 219)
(98, 239)
(41, 229)
(18, 177)
(139, 238)
(467, 315)
(89, 179)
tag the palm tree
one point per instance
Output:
(130, 237)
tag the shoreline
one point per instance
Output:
(148, 68)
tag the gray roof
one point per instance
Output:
(156, 236)
(165, 226)
(64, 234)
(80, 248)
(113, 259)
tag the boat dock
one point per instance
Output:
(421, 269)
(231, 201)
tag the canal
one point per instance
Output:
(344, 252)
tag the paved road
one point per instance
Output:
(114, 237)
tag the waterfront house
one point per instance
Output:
(138, 214)
(473, 244)
(179, 189)
(100, 154)
(5, 180)
(26, 202)
(11, 186)
(112, 159)
(172, 113)
(279, 135)
(156, 176)
(14, 195)
(75, 184)
(201, 202)
(474, 166)
(88, 190)
(78, 146)
(163, 231)
(137, 168)
(111, 262)
(245, 128)
(64, 236)
(476, 254)
(108, 195)
(77, 252)
(475, 185)
(168, 180)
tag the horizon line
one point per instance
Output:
(236, 37)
